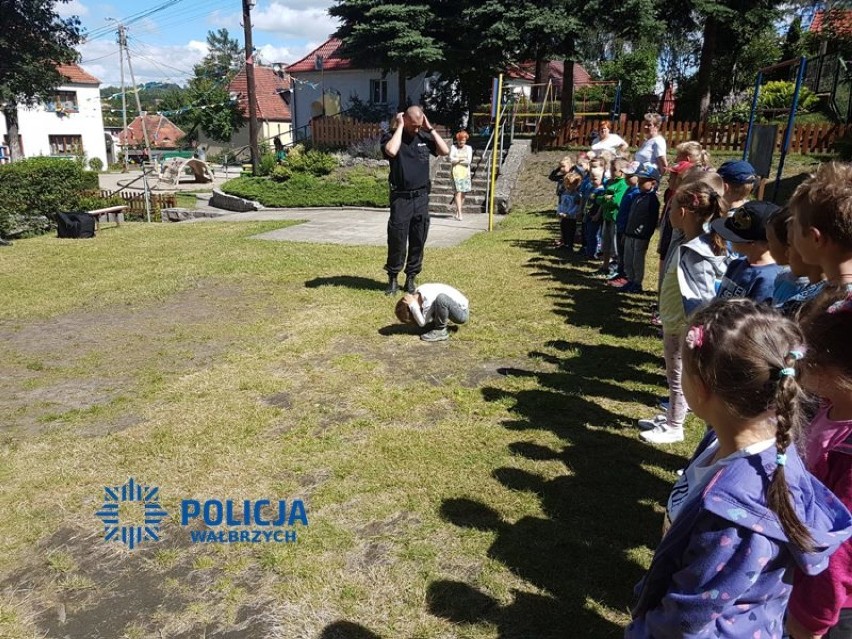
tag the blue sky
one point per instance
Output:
(165, 45)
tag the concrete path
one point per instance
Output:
(354, 226)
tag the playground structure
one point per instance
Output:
(175, 168)
(597, 100)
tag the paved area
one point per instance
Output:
(365, 227)
(353, 226)
(132, 180)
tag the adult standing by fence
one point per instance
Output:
(408, 150)
(608, 141)
(653, 149)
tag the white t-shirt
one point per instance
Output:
(613, 142)
(429, 292)
(651, 149)
(699, 473)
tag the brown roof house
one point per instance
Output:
(163, 134)
(68, 123)
(324, 82)
(272, 106)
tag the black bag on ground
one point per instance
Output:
(75, 225)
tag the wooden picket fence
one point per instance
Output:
(135, 201)
(342, 131)
(806, 138)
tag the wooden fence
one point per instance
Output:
(342, 131)
(135, 201)
(806, 138)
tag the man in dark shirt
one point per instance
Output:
(408, 150)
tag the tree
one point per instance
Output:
(34, 40)
(387, 35)
(224, 57)
(206, 103)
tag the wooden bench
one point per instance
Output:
(117, 211)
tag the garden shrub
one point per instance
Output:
(370, 148)
(267, 163)
(316, 163)
(358, 187)
(34, 190)
(96, 165)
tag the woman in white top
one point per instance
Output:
(461, 157)
(608, 141)
(653, 149)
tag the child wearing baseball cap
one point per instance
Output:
(739, 177)
(753, 275)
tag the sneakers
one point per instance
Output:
(655, 319)
(618, 282)
(651, 424)
(662, 434)
(435, 335)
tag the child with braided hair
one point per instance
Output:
(821, 605)
(745, 510)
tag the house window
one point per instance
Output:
(65, 144)
(379, 91)
(63, 102)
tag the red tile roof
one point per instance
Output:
(839, 19)
(76, 75)
(555, 71)
(162, 132)
(331, 59)
(268, 89)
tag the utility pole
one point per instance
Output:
(121, 44)
(252, 101)
(142, 116)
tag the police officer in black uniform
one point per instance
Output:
(408, 150)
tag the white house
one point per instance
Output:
(67, 123)
(324, 73)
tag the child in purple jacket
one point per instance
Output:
(745, 510)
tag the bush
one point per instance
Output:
(357, 187)
(281, 173)
(267, 163)
(370, 148)
(96, 164)
(316, 163)
(33, 191)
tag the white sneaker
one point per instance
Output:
(663, 435)
(651, 424)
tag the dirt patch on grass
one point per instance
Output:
(90, 359)
(76, 585)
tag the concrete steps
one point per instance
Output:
(442, 187)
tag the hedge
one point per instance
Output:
(34, 190)
(305, 190)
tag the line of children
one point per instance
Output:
(748, 507)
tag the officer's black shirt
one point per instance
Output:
(409, 170)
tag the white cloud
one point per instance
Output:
(310, 22)
(73, 8)
(161, 63)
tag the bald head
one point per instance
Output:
(413, 120)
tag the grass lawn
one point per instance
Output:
(489, 486)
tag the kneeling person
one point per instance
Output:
(433, 304)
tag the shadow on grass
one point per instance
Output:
(585, 300)
(577, 552)
(348, 281)
(347, 630)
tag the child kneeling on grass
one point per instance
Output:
(433, 304)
